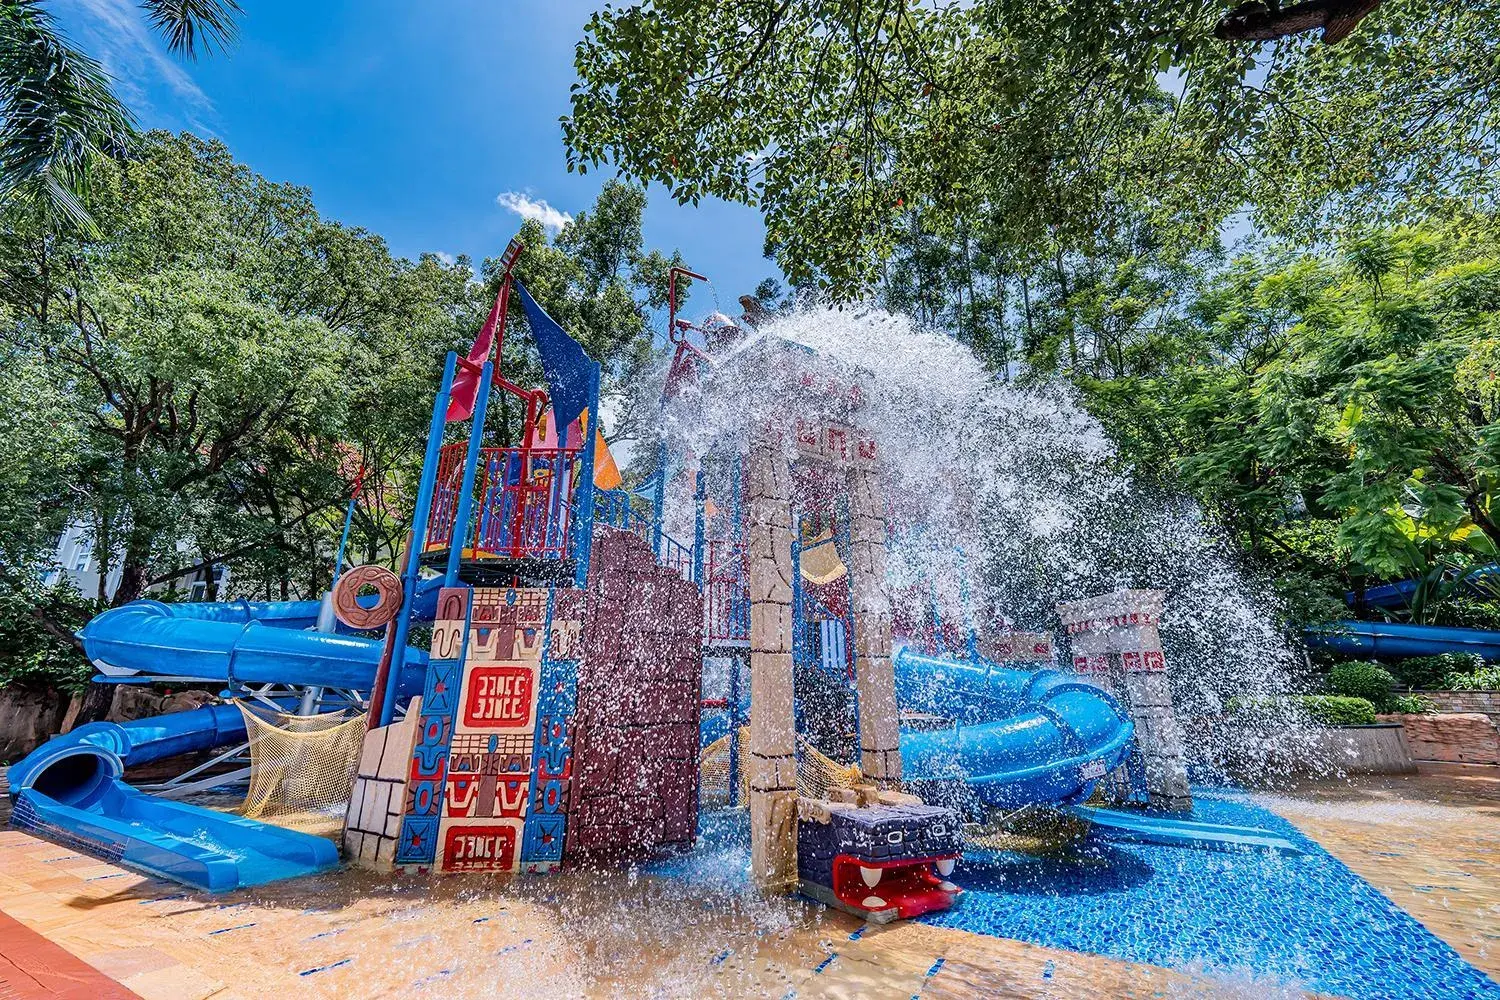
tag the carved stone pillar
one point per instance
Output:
(771, 759)
(875, 678)
(1115, 637)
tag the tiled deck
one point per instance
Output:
(1431, 843)
(350, 935)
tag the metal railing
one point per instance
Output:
(726, 592)
(613, 507)
(523, 500)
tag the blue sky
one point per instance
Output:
(410, 119)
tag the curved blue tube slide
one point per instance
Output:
(71, 789)
(1021, 737)
(1396, 639)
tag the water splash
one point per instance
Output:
(1007, 499)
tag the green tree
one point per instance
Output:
(59, 117)
(219, 348)
(1339, 410)
(1054, 122)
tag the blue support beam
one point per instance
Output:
(583, 496)
(471, 467)
(425, 489)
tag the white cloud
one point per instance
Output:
(533, 208)
(116, 33)
(446, 258)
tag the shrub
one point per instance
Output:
(1479, 679)
(1469, 612)
(1362, 679)
(1322, 709)
(32, 655)
(1410, 704)
(1338, 710)
(1430, 671)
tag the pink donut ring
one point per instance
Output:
(346, 606)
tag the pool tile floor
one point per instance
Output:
(350, 935)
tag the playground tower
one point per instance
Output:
(1117, 642)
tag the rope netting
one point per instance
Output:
(301, 766)
(816, 772)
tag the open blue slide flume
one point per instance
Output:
(1022, 737)
(1398, 639)
(72, 790)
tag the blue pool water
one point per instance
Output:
(1305, 921)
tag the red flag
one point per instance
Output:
(466, 382)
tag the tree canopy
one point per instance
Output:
(203, 381)
(1050, 124)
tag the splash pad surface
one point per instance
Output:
(1151, 921)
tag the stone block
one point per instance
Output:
(1148, 690)
(770, 628)
(773, 840)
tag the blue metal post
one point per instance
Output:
(799, 615)
(700, 526)
(659, 498)
(734, 731)
(972, 637)
(583, 527)
(471, 466)
(425, 489)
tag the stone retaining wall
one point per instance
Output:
(1458, 737)
(28, 718)
(1485, 702)
(1379, 749)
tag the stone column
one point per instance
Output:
(771, 758)
(874, 677)
(1124, 627)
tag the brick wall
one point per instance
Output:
(1486, 702)
(635, 732)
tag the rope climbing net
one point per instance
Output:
(816, 772)
(301, 766)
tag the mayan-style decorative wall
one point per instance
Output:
(635, 733)
(553, 722)
(1016, 647)
(1115, 639)
(488, 783)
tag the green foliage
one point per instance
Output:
(1022, 130)
(215, 353)
(1486, 678)
(35, 627)
(60, 121)
(1338, 710)
(1430, 672)
(1362, 679)
(1321, 709)
(1410, 704)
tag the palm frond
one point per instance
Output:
(58, 114)
(188, 25)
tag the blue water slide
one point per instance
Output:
(1020, 737)
(1396, 639)
(71, 789)
(240, 641)
(1173, 831)
(1398, 595)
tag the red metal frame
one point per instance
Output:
(519, 516)
(726, 572)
